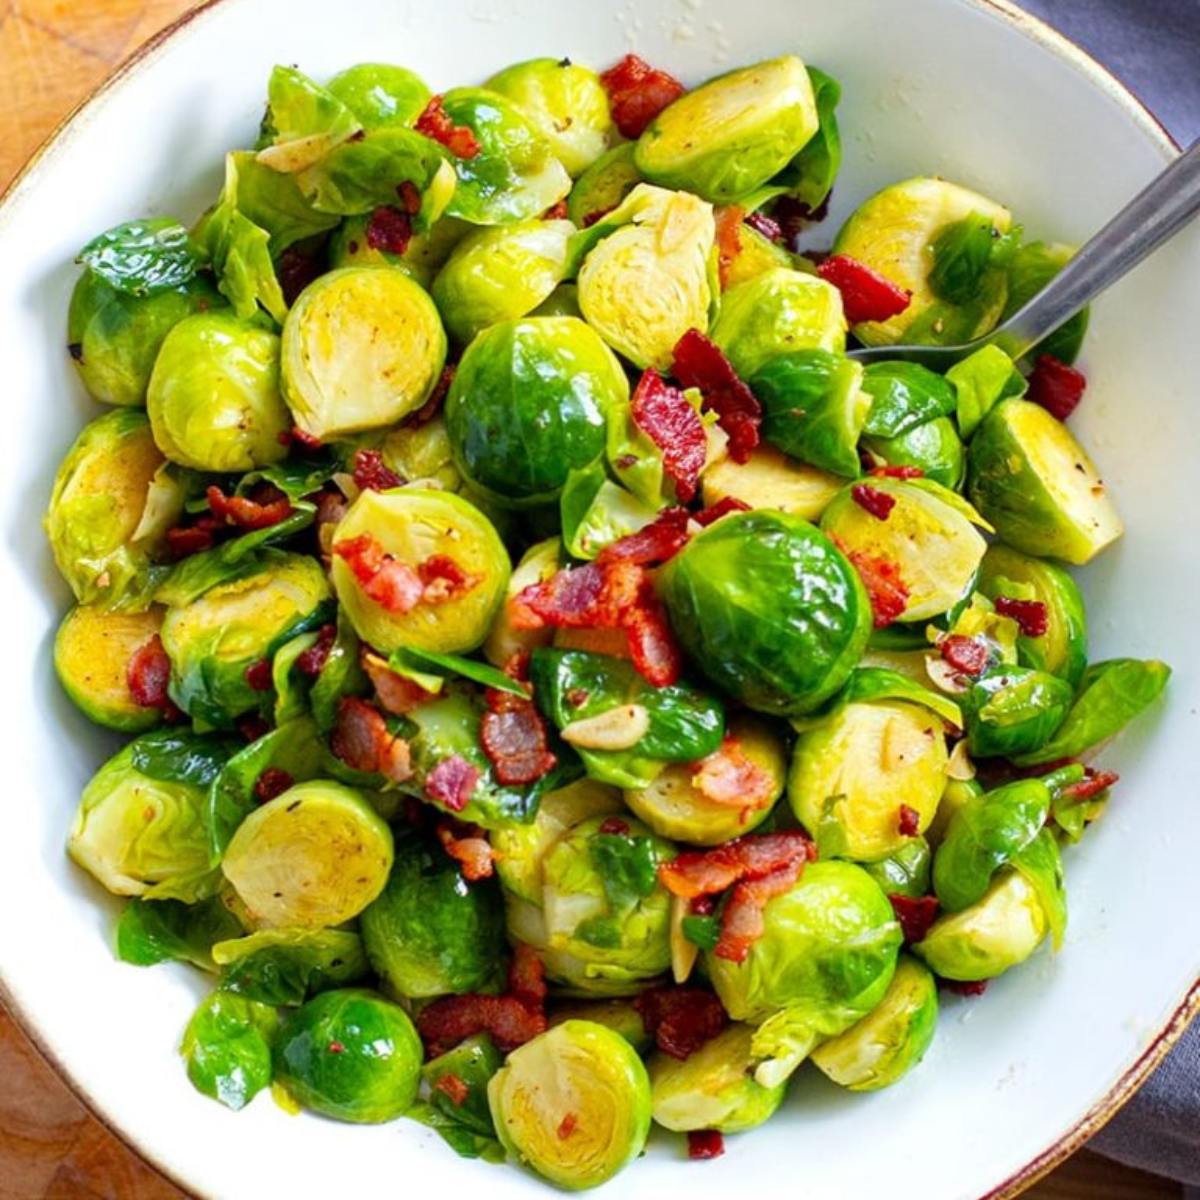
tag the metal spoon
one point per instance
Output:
(1157, 214)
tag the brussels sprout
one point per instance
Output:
(713, 1088)
(769, 479)
(1031, 267)
(883, 1047)
(562, 302)
(271, 201)
(515, 175)
(674, 807)
(928, 535)
(729, 136)
(216, 639)
(412, 525)
(1014, 710)
(92, 652)
(429, 932)
(423, 258)
(530, 401)
(906, 872)
(362, 348)
(980, 382)
(313, 857)
(140, 258)
(1032, 480)
(810, 175)
(997, 932)
(769, 609)
(958, 794)
(621, 1016)
(303, 122)
(596, 512)
(573, 1104)
(756, 255)
(1062, 650)
(154, 931)
(379, 94)
(285, 966)
(227, 1046)
(934, 447)
(538, 563)
(777, 312)
(500, 274)
(351, 1055)
(905, 396)
(649, 277)
(422, 452)
(458, 1103)
(565, 103)
(894, 233)
(603, 186)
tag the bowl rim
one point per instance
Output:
(1188, 1009)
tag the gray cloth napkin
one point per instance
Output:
(1154, 46)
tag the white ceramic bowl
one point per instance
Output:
(964, 88)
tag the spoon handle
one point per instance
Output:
(1167, 204)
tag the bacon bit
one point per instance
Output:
(705, 1143)
(866, 295)
(652, 645)
(271, 783)
(437, 398)
(305, 440)
(729, 778)
(702, 906)
(469, 847)
(896, 472)
(252, 727)
(296, 269)
(362, 740)
(182, 542)
(878, 504)
(451, 1086)
(637, 93)
(1057, 387)
(513, 735)
(397, 694)
(1032, 615)
(794, 218)
(881, 578)
(566, 1126)
(148, 673)
(915, 914)
(372, 474)
(707, 872)
(410, 197)
(614, 825)
(527, 977)
(311, 662)
(729, 239)
(742, 922)
(680, 1019)
(965, 987)
(699, 363)
(1091, 786)
(258, 675)
(662, 539)
(444, 580)
(908, 821)
(556, 212)
(336, 1048)
(593, 217)
(767, 226)
(435, 123)
(389, 229)
(391, 584)
(664, 414)
(247, 513)
(722, 508)
(451, 782)
(966, 655)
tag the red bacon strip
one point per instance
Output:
(722, 508)
(707, 872)
(729, 239)
(437, 397)
(896, 472)
(444, 580)
(680, 1019)
(916, 915)
(258, 675)
(674, 426)
(391, 584)
(967, 656)
(371, 473)
(878, 504)
(908, 821)
(271, 783)
(396, 693)
(663, 538)
(699, 363)
(148, 673)
(1091, 786)
(247, 513)
(362, 740)
(469, 847)
(866, 295)
(1031, 615)
(881, 578)
(311, 662)
(451, 782)
(556, 212)
(705, 1143)
(435, 123)
(514, 738)
(960, 987)
(767, 226)
(527, 977)
(637, 93)
(730, 778)
(389, 229)
(742, 922)
(1057, 387)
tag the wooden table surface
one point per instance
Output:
(52, 53)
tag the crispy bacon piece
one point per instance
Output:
(707, 872)
(729, 777)
(881, 578)
(1091, 786)
(866, 295)
(304, 439)
(794, 218)
(878, 504)
(767, 226)
(614, 825)
(722, 508)
(296, 269)
(729, 239)
(699, 363)
(396, 694)
(437, 397)
(444, 580)
(311, 662)
(556, 212)
(258, 675)
(965, 987)
(182, 541)
(705, 1143)
(271, 783)
(389, 229)
(451, 782)
(469, 847)
(362, 740)
(527, 977)
(513, 735)
(451, 1086)
(663, 538)
(435, 123)
(663, 413)
(371, 473)
(252, 727)
(652, 645)
(1057, 387)
(148, 673)
(742, 921)
(637, 93)
(966, 655)
(567, 1125)
(392, 584)
(915, 914)
(1032, 615)
(680, 1019)
(908, 821)
(897, 472)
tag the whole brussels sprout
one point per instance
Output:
(362, 348)
(775, 313)
(351, 1055)
(227, 1047)
(562, 302)
(115, 337)
(565, 103)
(713, 1088)
(1032, 480)
(500, 274)
(312, 858)
(603, 186)
(884, 1046)
(573, 1104)
(770, 479)
(538, 563)
(934, 447)
(956, 796)
(422, 259)
(97, 505)
(529, 402)
(729, 136)
(380, 94)
(429, 932)
(769, 609)
(650, 278)
(928, 536)
(213, 397)
(905, 873)
(621, 1016)
(413, 525)
(1014, 710)
(214, 640)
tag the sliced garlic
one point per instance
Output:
(959, 765)
(617, 729)
(684, 952)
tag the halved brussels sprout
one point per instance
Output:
(213, 641)
(621, 1016)
(424, 257)
(413, 525)
(515, 175)
(905, 873)
(730, 135)
(649, 277)
(776, 312)
(92, 651)
(884, 1046)
(313, 857)
(351, 1055)
(430, 932)
(895, 232)
(1032, 480)
(770, 479)
(595, 512)
(565, 103)
(573, 1104)
(675, 807)
(96, 508)
(769, 609)
(362, 348)
(934, 447)
(380, 94)
(500, 274)
(538, 563)
(713, 1088)
(286, 966)
(929, 536)
(980, 382)
(984, 940)
(958, 794)
(756, 256)
(530, 401)
(603, 186)
(1014, 710)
